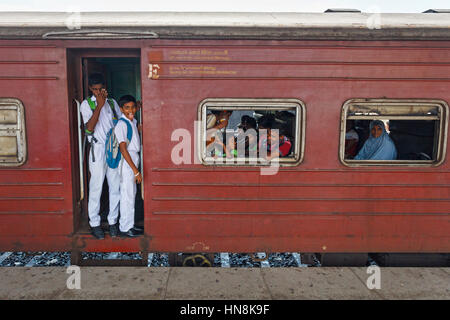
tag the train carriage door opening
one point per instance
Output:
(121, 71)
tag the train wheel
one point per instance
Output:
(191, 259)
(196, 260)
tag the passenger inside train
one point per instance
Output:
(225, 137)
(236, 117)
(351, 140)
(274, 141)
(217, 122)
(413, 129)
(244, 143)
(413, 140)
(379, 146)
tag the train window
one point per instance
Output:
(251, 132)
(13, 149)
(393, 132)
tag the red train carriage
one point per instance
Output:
(312, 72)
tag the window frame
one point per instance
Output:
(440, 143)
(254, 104)
(19, 127)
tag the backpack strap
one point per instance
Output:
(129, 130)
(91, 103)
(111, 105)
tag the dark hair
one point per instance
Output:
(248, 122)
(266, 121)
(96, 78)
(125, 99)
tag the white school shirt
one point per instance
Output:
(105, 119)
(121, 134)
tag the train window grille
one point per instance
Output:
(288, 117)
(418, 129)
(13, 148)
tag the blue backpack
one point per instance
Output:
(112, 150)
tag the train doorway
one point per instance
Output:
(121, 71)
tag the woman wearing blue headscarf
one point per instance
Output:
(379, 146)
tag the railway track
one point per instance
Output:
(222, 259)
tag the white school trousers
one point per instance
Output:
(127, 193)
(98, 170)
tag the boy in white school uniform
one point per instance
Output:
(129, 172)
(98, 112)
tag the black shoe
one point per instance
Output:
(98, 232)
(139, 228)
(114, 230)
(131, 233)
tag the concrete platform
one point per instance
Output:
(224, 283)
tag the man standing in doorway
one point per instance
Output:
(98, 114)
